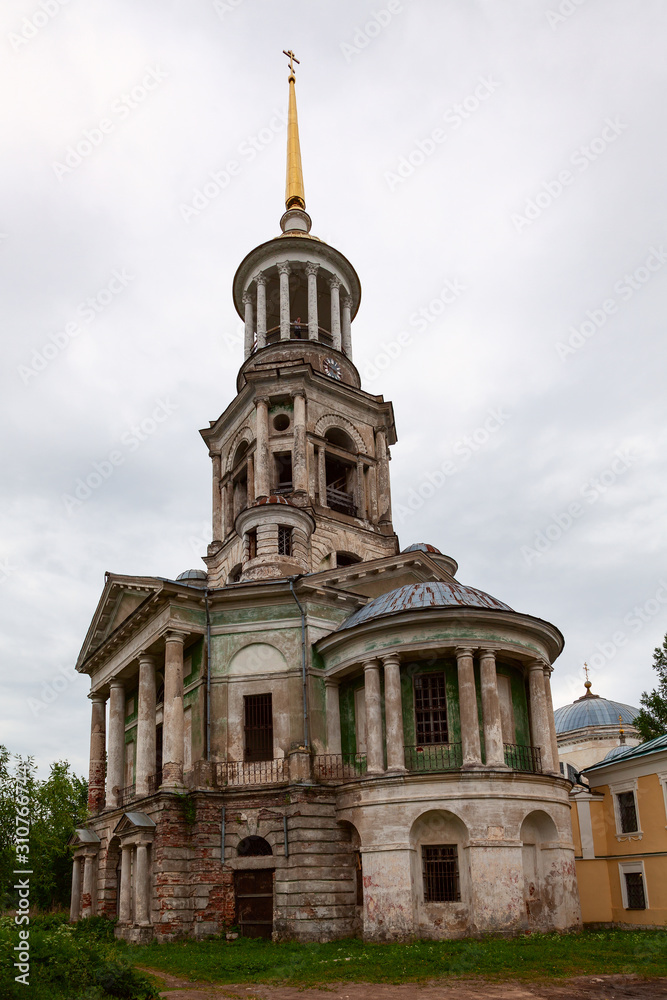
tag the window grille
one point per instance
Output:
(258, 727)
(431, 708)
(627, 812)
(284, 540)
(252, 543)
(440, 868)
(634, 888)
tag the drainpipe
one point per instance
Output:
(304, 681)
(208, 677)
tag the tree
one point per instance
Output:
(651, 721)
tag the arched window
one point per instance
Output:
(346, 559)
(235, 574)
(254, 847)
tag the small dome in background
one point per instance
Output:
(592, 710)
(422, 547)
(618, 751)
(193, 577)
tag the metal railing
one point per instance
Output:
(433, 757)
(522, 758)
(341, 501)
(154, 781)
(251, 772)
(125, 795)
(339, 766)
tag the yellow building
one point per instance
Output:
(620, 835)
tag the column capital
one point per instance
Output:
(147, 657)
(371, 664)
(97, 698)
(246, 298)
(311, 268)
(284, 267)
(261, 400)
(390, 658)
(346, 300)
(299, 392)
(260, 278)
(116, 683)
(334, 281)
(464, 651)
(175, 635)
(538, 664)
(331, 682)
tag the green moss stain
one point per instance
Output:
(348, 735)
(408, 674)
(195, 654)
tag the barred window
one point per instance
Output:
(440, 868)
(430, 708)
(634, 888)
(258, 727)
(627, 812)
(284, 540)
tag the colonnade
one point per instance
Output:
(542, 725)
(255, 308)
(104, 792)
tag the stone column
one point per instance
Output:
(346, 333)
(145, 723)
(262, 477)
(493, 729)
(322, 475)
(217, 524)
(360, 498)
(313, 320)
(249, 331)
(372, 696)
(125, 901)
(384, 489)
(97, 765)
(228, 507)
(141, 887)
(172, 767)
(250, 466)
(539, 717)
(284, 271)
(333, 715)
(116, 754)
(87, 894)
(393, 707)
(75, 904)
(299, 466)
(472, 754)
(373, 498)
(260, 281)
(550, 715)
(334, 285)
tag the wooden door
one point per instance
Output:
(253, 891)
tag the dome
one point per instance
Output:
(193, 577)
(422, 547)
(418, 596)
(592, 710)
(617, 751)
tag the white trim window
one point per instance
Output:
(662, 778)
(626, 810)
(633, 885)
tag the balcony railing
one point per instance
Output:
(433, 757)
(125, 795)
(341, 501)
(339, 766)
(251, 772)
(521, 758)
(154, 781)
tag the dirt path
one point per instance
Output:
(580, 988)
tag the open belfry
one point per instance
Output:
(320, 735)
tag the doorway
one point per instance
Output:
(253, 892)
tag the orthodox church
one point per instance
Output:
(321, 734)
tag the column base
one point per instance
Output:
(375, 770)
(397, 770)
(472, 765)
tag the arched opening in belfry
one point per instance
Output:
(298, 300)
(340, 471)
(254, 847)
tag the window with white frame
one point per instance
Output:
(633, 885)
(626, 810)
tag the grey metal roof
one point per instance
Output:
(630, 753)
(192, 574)
(417, 596)
(591, 710)
(422, 547)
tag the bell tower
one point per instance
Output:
(301, 455)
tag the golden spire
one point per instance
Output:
(294, 193)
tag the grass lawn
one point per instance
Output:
(536, 956)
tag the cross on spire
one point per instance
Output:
(292, 59)
(586, 671)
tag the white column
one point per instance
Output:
(249, 331)
(260, 281)
(125, 901)
(333, 715)
(393, 707)
(334, 285)
(116, 753)
(172, 767)
(322, 475)
(373, 700)
(472, 753)
(97, 763)
(548, 669)
(539, 719)
(145, 723)
(493, 730)
(75, 904)
(217, 524)
(313, 320)
(299, 468)
(360, 498)
(87, 894)
(346, 333)
(262, 477)
(283, 271)
(141, 887)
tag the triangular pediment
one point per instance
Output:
(121, 598)
(83, 838)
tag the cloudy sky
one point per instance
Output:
(494, 169)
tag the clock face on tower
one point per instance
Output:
(331, 368)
